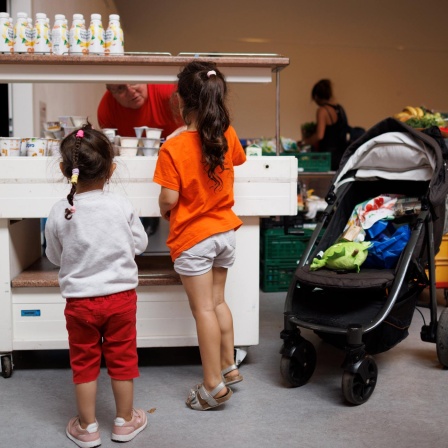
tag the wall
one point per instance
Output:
(381, 55)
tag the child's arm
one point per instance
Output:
(167, 201)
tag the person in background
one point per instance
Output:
(126, 106)
(94, 239)
(195, 171)
(331, 124)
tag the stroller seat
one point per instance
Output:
(326, 278)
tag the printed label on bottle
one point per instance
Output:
(6, 37)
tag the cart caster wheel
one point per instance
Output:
(6, 366)
(442, 338)
(359, 385)
(298, 368)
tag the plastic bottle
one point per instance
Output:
(6, 34)
(78, 36)
(96, 34)
(114, 39)
(19, 33)
(59, 35)
(50, 37)
(42, 44)
(30, 34)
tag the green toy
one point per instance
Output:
(344, 256)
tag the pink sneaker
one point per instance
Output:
(124, 431)
(85, 438)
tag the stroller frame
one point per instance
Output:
(360, 371)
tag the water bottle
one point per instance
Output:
(59, 35)
(114, 36)
(78, 36)
(42, 43)
(6, 34)
(96, 34)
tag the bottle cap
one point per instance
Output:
(78, 17)
(59, 17)
(22, 15)
(41, 15)
(4, 15)
(114, 17)
(95, 17)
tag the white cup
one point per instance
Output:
(36, 147)
(10, 146)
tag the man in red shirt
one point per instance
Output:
(125, 106)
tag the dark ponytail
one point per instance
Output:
(203, 91)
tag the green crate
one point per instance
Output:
(275, 245)
(312, 161)
(276, 277)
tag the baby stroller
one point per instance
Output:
(370, 312)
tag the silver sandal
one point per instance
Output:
(228, 381)
(200, 399)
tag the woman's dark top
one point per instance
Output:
(335, 137)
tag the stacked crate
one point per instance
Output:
(279, 256)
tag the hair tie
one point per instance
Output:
(80, 134)
(75, 175)
(72, 209)
(210, 73)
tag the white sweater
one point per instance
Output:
(96, 248)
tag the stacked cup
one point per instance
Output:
(150, 143)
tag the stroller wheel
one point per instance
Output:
(298, 368)
(442, 338)
(358, 384)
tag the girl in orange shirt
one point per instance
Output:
(195, 170)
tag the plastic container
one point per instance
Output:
(276, 277)
(127, 152)
(312, 161)
(6, 34)
(275, 245)
(96, 35)
(150, 152)
(42, 43)
(129, 142)
(114, 38)
(21, 41)
(59, 35)
(78, 42)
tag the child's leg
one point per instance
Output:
(225, 319)
(199, 290)
(85, 400)
(124, 397)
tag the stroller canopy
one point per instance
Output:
(393, 150)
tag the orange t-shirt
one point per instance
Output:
(201, 210)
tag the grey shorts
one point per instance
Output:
(215, 251)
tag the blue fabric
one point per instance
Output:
(387, 245)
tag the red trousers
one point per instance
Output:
(103, 326)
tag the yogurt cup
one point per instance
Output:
(36, 147)
(10, 146)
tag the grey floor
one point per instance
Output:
(408, 408)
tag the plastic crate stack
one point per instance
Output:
(279, 256)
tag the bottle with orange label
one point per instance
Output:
(42, 44)
(114, 41)
(96, 35)
(59, 35)
(6, 34)
(78, 41)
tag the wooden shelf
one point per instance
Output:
(131, 68)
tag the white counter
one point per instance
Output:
(29, 187)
